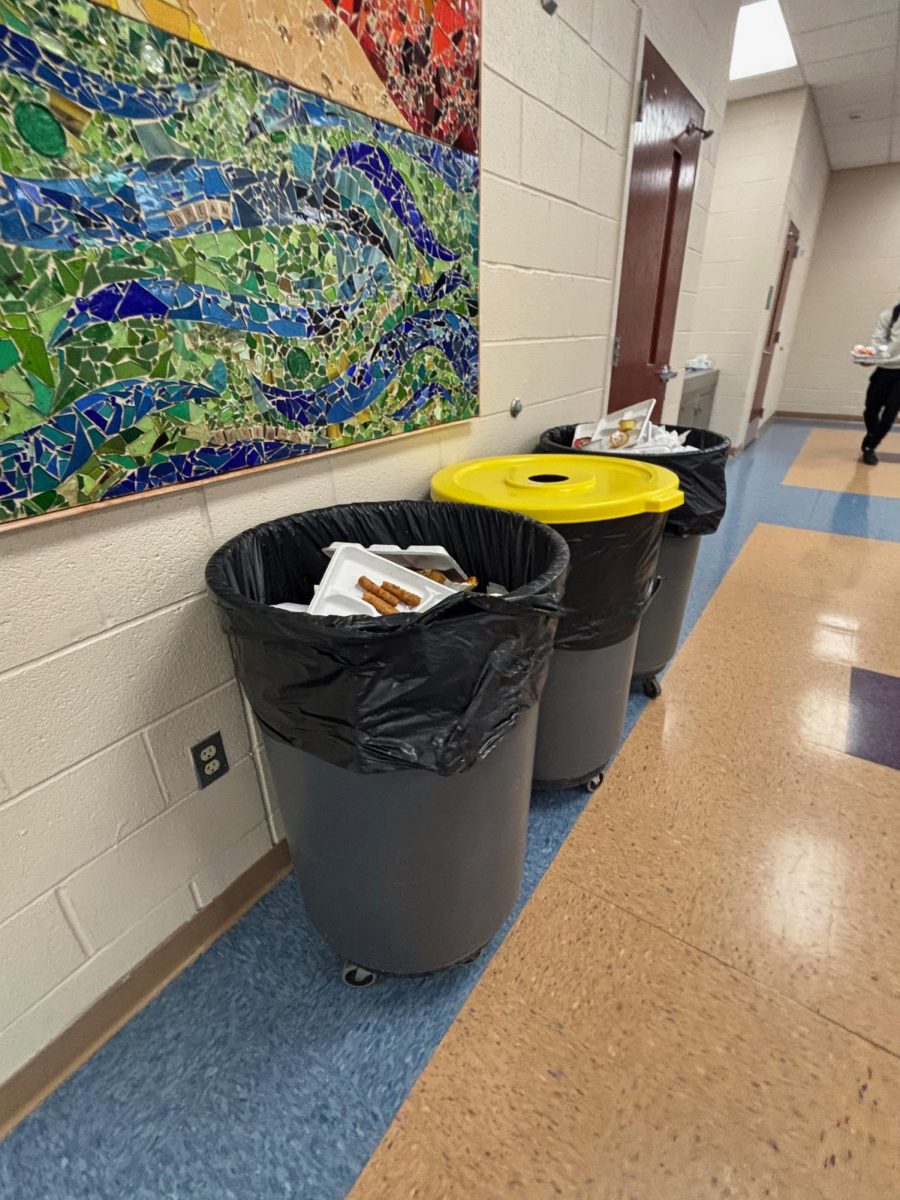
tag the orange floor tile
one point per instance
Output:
(703, 997)
(830, 462)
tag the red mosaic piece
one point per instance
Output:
(426, 54)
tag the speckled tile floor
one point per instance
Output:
(601, 1058)
(830, 461)
(698, 1001)
(703, 996)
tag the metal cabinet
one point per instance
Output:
(697, 399)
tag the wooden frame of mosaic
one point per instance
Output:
(207, 270)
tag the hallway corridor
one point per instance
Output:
(698, 996)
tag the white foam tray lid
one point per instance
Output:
(421, 558)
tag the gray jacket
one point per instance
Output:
(887, 335)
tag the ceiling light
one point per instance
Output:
(761, 42)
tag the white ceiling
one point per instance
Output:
(847, 51)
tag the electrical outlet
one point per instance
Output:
(210, 759)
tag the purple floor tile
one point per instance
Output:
(873, 730)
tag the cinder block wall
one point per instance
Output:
(854, 276)
(111, 662)
(772, 169)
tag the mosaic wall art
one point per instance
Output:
(205, 269)
(414, 63)
(426, 52)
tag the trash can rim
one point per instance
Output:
(402, 621)
(722, 443)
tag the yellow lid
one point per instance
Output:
(561, 489)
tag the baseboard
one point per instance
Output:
(792, 415)
(24, 1091)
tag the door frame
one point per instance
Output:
(637, 58)
(777, 299)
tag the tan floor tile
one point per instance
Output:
(839, 593)
(819, 566)
(677, 1014)
(757, 749)
(789, 879)
(830, 462)
(600, 1059)
(734, 819)
(769, 663)
(754, 692)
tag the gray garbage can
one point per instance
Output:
(611, 513)
(400, 747)
(583, 713)
(701, 472)
(407, 873)
(661, 623)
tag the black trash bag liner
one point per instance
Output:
(611, 581)
(434, 691)
(702, 475)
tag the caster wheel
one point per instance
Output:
(652, 687)
(595, 782)
(357, 977)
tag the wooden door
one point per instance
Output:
(668, 132)
(773, 332)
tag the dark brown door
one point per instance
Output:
(666, 150)
(773, 333)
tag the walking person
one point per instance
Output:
(883, 396)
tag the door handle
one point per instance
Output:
(667, 374)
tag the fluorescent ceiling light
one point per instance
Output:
(761, 42)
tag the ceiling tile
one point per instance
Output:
(863, 133)
(838, 116)
(863, 152)
(851, 37)
(856, 91)
(851, 67)
(803, 15)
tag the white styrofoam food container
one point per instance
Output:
(640, 413)
(339, 594)
(415, 558)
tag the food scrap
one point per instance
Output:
(466, 584)
(410, 599)
(385, 596)
(380, 606)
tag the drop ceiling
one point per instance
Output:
(847, 52)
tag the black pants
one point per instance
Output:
(882, 405)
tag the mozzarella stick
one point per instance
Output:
(410, 599)
(386, 610)
(374, 590)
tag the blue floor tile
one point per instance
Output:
(257, 1075)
